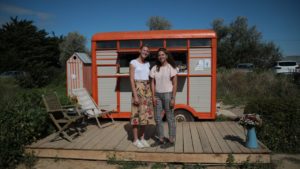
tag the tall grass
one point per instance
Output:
(236, 87)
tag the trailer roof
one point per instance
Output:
(154, 34)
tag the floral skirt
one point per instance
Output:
(142, 114)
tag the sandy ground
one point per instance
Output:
(280, 161)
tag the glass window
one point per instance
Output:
(287, 63)
(154, 43)
(200, 42)
(176, 43)
(130, 44)
(180, 59)
(106, 44)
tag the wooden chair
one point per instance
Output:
(89, 106)
(63, 117)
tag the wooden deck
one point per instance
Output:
(196, 142)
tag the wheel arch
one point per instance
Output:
(186, 108)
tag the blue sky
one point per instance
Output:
(278, 20)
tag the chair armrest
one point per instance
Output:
(69, 106)
(58, 110)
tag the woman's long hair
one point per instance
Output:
(170, 59)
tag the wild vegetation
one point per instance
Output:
(23, 118)
(274, 97)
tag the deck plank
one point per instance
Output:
(222, 143)
(226, 136)
(203, 138)
(92, 136)
(166, 134)
(98, 136)
(236, 139)
(187, 138)
(124, 143)
(109, 137)
(179, 138)
(92, 129)
(195, 138)
(212, 140)
(116, 139)
(170, 149)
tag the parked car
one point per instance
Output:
(285, 67)
(245, 67)
(298, 69)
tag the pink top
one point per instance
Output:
(162, 78)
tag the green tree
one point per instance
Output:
(73, 42)
(238, 42)
(158, 23)
(24, 47)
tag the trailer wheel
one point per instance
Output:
(183, 116)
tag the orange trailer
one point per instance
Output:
(194, 51)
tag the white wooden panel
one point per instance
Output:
(200, 52)
(106, 62)
(106, 70)
(200, 66)
(125, 94)
(106, 93)
(106, 54)
(181, 95)
(69, 76)
(200, 93)
(124, 70)
(80, 72)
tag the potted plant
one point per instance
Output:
(249, 122)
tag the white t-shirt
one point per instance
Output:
(141, 70)
(163, 83)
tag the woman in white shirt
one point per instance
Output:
(142, 105)
(164, 88)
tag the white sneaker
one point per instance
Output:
(145, 143)
(138, 144)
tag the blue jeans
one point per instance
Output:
(163, 103)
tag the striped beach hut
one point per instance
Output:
(79, 72)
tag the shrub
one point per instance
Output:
(22, 121)
(38, 76)
(281, 128)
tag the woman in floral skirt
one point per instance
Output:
(142, 106)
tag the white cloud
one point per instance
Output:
(20, 11)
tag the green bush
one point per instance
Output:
(281, 128)
(22, 121)
(39, 76)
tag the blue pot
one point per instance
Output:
(251, 140)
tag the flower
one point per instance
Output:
(250, 120)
